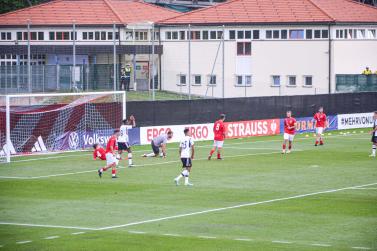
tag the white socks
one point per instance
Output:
(373, 150)
(130, 159)
(150, 155)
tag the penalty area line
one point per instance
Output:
(232, 207)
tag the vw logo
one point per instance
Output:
(73, 140)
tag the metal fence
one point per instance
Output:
(53, 78)
(356, 83)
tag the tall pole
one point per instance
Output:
(223, 63)
(7, 130)
(153, 87)
(189, 60)
(28, 57)
(114, 60)
(134, 59)
(74, 56)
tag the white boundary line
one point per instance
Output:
(190, 214)
(121, 167)
(47, 226)
(202, 146)
(231, 207)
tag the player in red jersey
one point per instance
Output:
(289, 132)
(219, 132)
(111, 160)
(320, 121)
(99, 152)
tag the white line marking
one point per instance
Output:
(77, 233)
(364, 188)
(121, 167)
(364, 248)
(320, 245)
(242, 239)
(23, 242)
(48, 226)
(231, 207)
(283, 242)
(174, 235)
(206, 237)
(204, 146)
(52, 237)
(136, 232)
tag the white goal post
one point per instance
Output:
(52, 122)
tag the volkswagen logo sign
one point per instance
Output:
(73, 140)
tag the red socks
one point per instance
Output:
(218, 156)
(290, 146)
(211, 152)
(283, 146)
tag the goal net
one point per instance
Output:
(43, 123)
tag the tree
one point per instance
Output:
(10, 5)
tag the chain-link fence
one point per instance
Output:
(53, 78)
(356, 83)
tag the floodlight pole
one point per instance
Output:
(28, 56)
(223, 63)
(153, 78)
(74, 56)
(114, 58)
(189, 60)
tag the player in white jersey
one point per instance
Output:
(374, 135)
(123, 141)
(186, 152)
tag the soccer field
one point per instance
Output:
(316, 198)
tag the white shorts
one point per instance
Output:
(288, 136)
(110, 159)
(218, 144)
(319, 130)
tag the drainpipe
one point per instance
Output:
(330, 58)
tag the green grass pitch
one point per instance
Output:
(316, 198)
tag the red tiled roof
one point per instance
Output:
(87, 12)
(348, 11)
(278, 11)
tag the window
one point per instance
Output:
(85, 35)
(276, 34)
(205, 35)
(7, 36)
(240, 34)
(309, 34)
(268, 34)
(296, 34)
(51, 35)
(182, 35)
(26, 35)
(197, 79)
(19, 35)
(232, 34)
(41, 35)
(90, 35)
(174, 35)
(195, 35)
(325, 34)
(72, 36)
(212, 79)
(255, 34)
(360, 33)
(66, 35)
(291, 80)
(243, 48)
(239, 80)
(317, 33)
(168, 35)
(308, 80)
(248, 34)
(213, 34)
(3, 36)
(59, 35)
(103, 35)
(371, 34)
(284, 34)
(182, 79)
(275, 80)
(117, 35)
(109, 35)
(248, 80)
(219, 34)
(96, 35)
